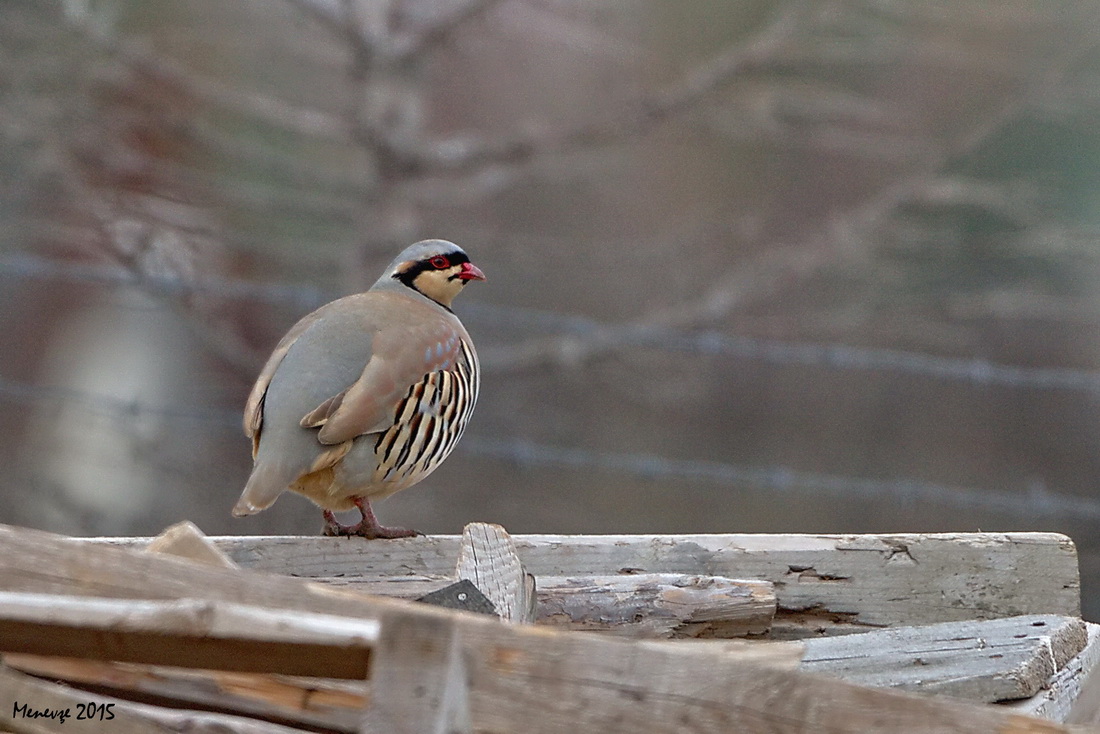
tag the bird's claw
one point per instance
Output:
(364, 529)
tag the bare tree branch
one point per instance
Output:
(845, 237)
(151, 254)
(328, 13)
(201, 317)
(544, 19)
(440, 29)
(152, 231)
(303, 120)
(465, 155)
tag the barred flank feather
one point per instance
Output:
(430, 420)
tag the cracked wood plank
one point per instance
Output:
(421, 685)
(985, 662)
(824, 584)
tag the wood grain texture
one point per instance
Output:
(287, 700)
(634, 605)
(36, 561)
(188, 633)
(982, 661)
(554, 682)
(421, 684)
(127, 717)
(1070, 695)
(657, 605)
(823, 583)
(487, 558)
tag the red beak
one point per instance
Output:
(471, 272)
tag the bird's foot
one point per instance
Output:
(368, 528)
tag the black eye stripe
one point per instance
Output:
(413, 270)
(408, 275)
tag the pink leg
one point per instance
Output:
(368, 527)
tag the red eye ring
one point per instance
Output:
(439, 262)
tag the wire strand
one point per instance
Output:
(1037, 501)
(975, 371)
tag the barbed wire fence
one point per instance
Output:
(1037, 501)
(499, 358)
(411, 163)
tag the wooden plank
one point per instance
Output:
(288, 700)
(36, 561)
(184, 539)
(563, 682)
(657, 605)
(548, 680)
(824, 583)
(38, 707)
(986, 661)
(329, 704)
(192, 633)
(785, 655)
(408, 587)
(421, 683)
(637, 605)
(487, 558)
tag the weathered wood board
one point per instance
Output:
(1066, 697)
(987, 661)
(312, 702)
(480, 676)
(53, 709)
(487, 558)
(657, 605)
(824, 583)
(187, 632)
(474, 673)
(977, 661)
(185, 540)
(36, 561)
(632, 605)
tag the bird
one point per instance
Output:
(367, 395)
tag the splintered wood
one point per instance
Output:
(996, 613)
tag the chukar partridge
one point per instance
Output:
(367, 395)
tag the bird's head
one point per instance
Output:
(436, 268)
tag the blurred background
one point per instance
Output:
(820, 266)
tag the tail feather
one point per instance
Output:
(262, 489)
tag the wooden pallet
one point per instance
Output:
(230, 637)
